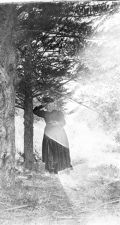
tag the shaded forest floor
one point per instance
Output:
(86, 196)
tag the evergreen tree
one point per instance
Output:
(52, 34)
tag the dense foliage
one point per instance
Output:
(51, 36)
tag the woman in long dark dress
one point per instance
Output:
(55, 146)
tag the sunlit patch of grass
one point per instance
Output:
(109, 171)
(105, 185)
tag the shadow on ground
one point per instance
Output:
(82, 197)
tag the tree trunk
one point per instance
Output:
(7, 91)
(28, 127)
(7, 125)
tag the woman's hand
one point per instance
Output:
(39, 107)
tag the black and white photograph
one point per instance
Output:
(60, 112)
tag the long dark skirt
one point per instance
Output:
(55, 156)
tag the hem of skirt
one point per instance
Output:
(56, 172)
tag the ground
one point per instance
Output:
(88, 195)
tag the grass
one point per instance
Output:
(39, 198)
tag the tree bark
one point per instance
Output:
(7, 125)
(28, 127)
(7, 91)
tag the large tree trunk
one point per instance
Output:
(28, 127)
(7, 91)
(7, 125)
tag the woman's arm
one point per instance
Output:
(39, 112)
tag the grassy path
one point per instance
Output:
(86, 196)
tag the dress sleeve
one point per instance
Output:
(39, 112)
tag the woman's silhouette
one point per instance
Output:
(55, 146)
